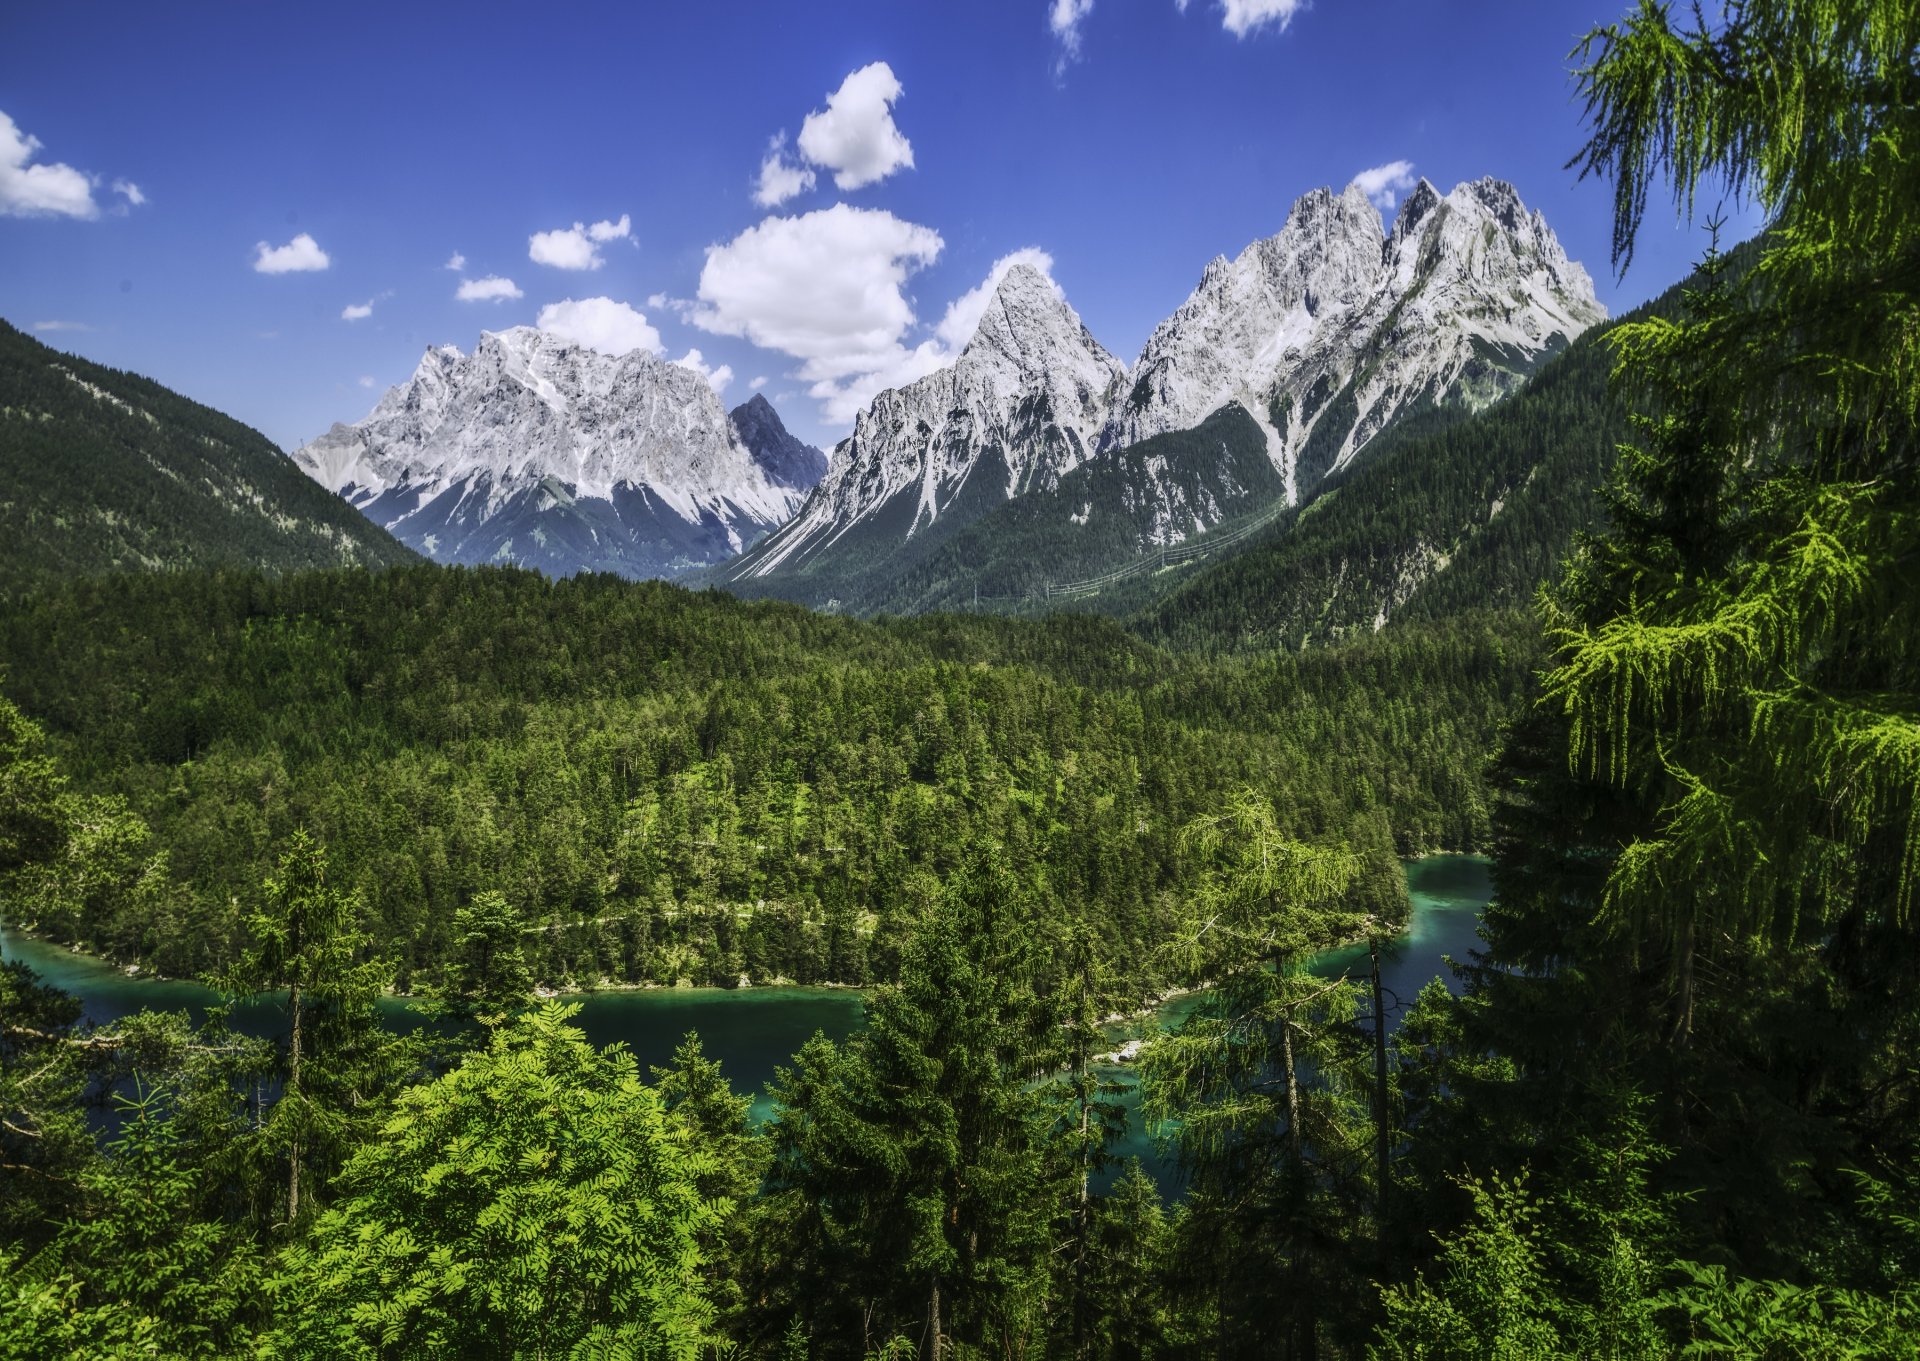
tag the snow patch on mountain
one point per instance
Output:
(1028, 395)
(455, 460)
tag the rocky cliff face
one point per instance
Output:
(1023, 405)
(1328, 330)
(538, 451)
(787, 460)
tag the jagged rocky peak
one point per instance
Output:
(787, 460)
(535, 449)
(1021, 406)
(1253, 317)
(1328, 330)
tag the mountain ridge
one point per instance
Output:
(105, 470)
(540, 451)
(1323, 335)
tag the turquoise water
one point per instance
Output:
(753, 1030)
(1448, 893)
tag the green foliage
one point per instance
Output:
(913, 1187)
(1444, 514)
(1491, 1303)
(537, 1200)
(665, 785)
(486, 970)
(142, 1249)
(1706, 834)
(109, 471)
(340, 1059)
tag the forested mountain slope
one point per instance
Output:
(1447, 514)
(1106, 513)
(103, 470)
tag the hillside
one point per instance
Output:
(103, 470)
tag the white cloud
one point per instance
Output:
(575, 247)
(1065, 17)
(757, 383)
(130, 191)
(825, 288)
(357, 311)
(1241, 17)
(28, 190)
(493, 288)
(366, 380)
(61, 326)
(956, 328)
(1384, 183)
(456, 262)
(781, 177)
(611, 231)
(717, 377)
(299, 256)
(600, 324)
(854, 135)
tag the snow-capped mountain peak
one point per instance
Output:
(1329, 329)
(539, 450)
(1021, 407)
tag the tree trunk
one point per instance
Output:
(293, 1090)
(932, 1349)
(1293, 1086)
(1080, 1233)
(1381, 1142)
(1683, 1003)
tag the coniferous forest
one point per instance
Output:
(1670, 1109)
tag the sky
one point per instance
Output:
(276, 209)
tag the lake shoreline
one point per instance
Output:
(136, 974)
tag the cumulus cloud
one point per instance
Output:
(493, 288)
(962, 319)
(1384, 183)
(854, 136)
(366, 380)
(299, 256)
(781, 177)
(456, 262)
(130, 191)
(717, 376)
(757, 383)
(600, 324)
(357, 311)
(826, 288)
(1241, 17)
(1065, 17)
(45, 190)
(578, 246)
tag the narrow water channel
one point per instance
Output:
(754, 1030)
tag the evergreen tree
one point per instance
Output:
(912, 1175)
(339, 1059)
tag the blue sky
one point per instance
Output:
(1128, 140)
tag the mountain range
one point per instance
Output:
(1319, 338)
(542, 452)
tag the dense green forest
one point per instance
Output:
(674, 785)
(103, 470)
(1671, 1112)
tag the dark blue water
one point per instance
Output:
(754, 1030)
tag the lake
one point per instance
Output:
(753, 1030)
